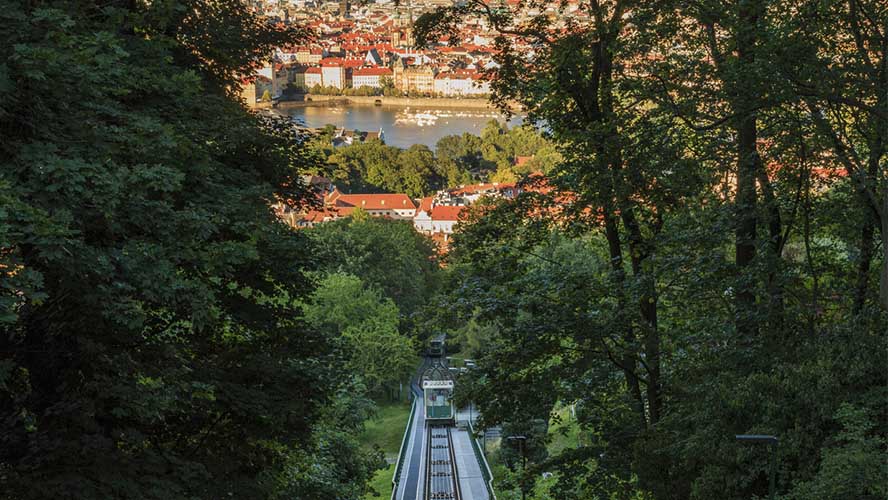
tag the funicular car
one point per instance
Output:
(437, 388)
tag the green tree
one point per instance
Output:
(388, 86)
(416, 171)
(149, 344)
(847, 104)
(694, 140)
(386, 254)
(461, 153)
(853, 466)
(368, 326)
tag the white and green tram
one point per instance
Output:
(437, 391)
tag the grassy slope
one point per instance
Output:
(565, 433)
(382, 483)
(386, 430)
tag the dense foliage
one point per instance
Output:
(368, 323)
(387, 255)
(705, 260)
(151, 345)
(369, 167)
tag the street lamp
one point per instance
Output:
(771, 441)
(521, 440)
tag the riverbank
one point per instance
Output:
(396, 102)
(404, 122)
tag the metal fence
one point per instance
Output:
(404, 441)
(482, 460)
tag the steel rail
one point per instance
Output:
(431, 486)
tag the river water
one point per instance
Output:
(403, 127)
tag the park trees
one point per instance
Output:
(418, 171)
(150, 346)
(835, 63)
(385, 254)
(461, 154)
(707, 148)
(373, 166)
(367, 324)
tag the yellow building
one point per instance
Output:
(419, 79)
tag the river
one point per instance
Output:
(403, 127)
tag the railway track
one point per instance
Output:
(441, 478)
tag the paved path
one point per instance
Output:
(471, 481)
(410, 483)
(464, 414)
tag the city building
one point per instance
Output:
(333, 74)
(313, 76)
(297, 76)
(461, 83)
(394, 206)
(440, 219)
(369, 77)
(419, 79)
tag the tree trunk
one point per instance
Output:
(640, 251)
(652, 351)
(775, 249)
(883, 285)
(627, 362)
(639, 247)
(872, 221)
(748, 163)
(861, 289)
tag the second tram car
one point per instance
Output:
(436, 347)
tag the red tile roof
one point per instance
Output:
(372, 71)
(371, 201)
(442, 212)
(345, 62)
(315, 216)
(425, 204)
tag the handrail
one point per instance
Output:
(397, 476)
(482, 459)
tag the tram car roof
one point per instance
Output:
(437, 371)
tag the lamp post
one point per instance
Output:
(771, 441)
(521, 440)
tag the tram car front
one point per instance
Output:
(437, 389)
